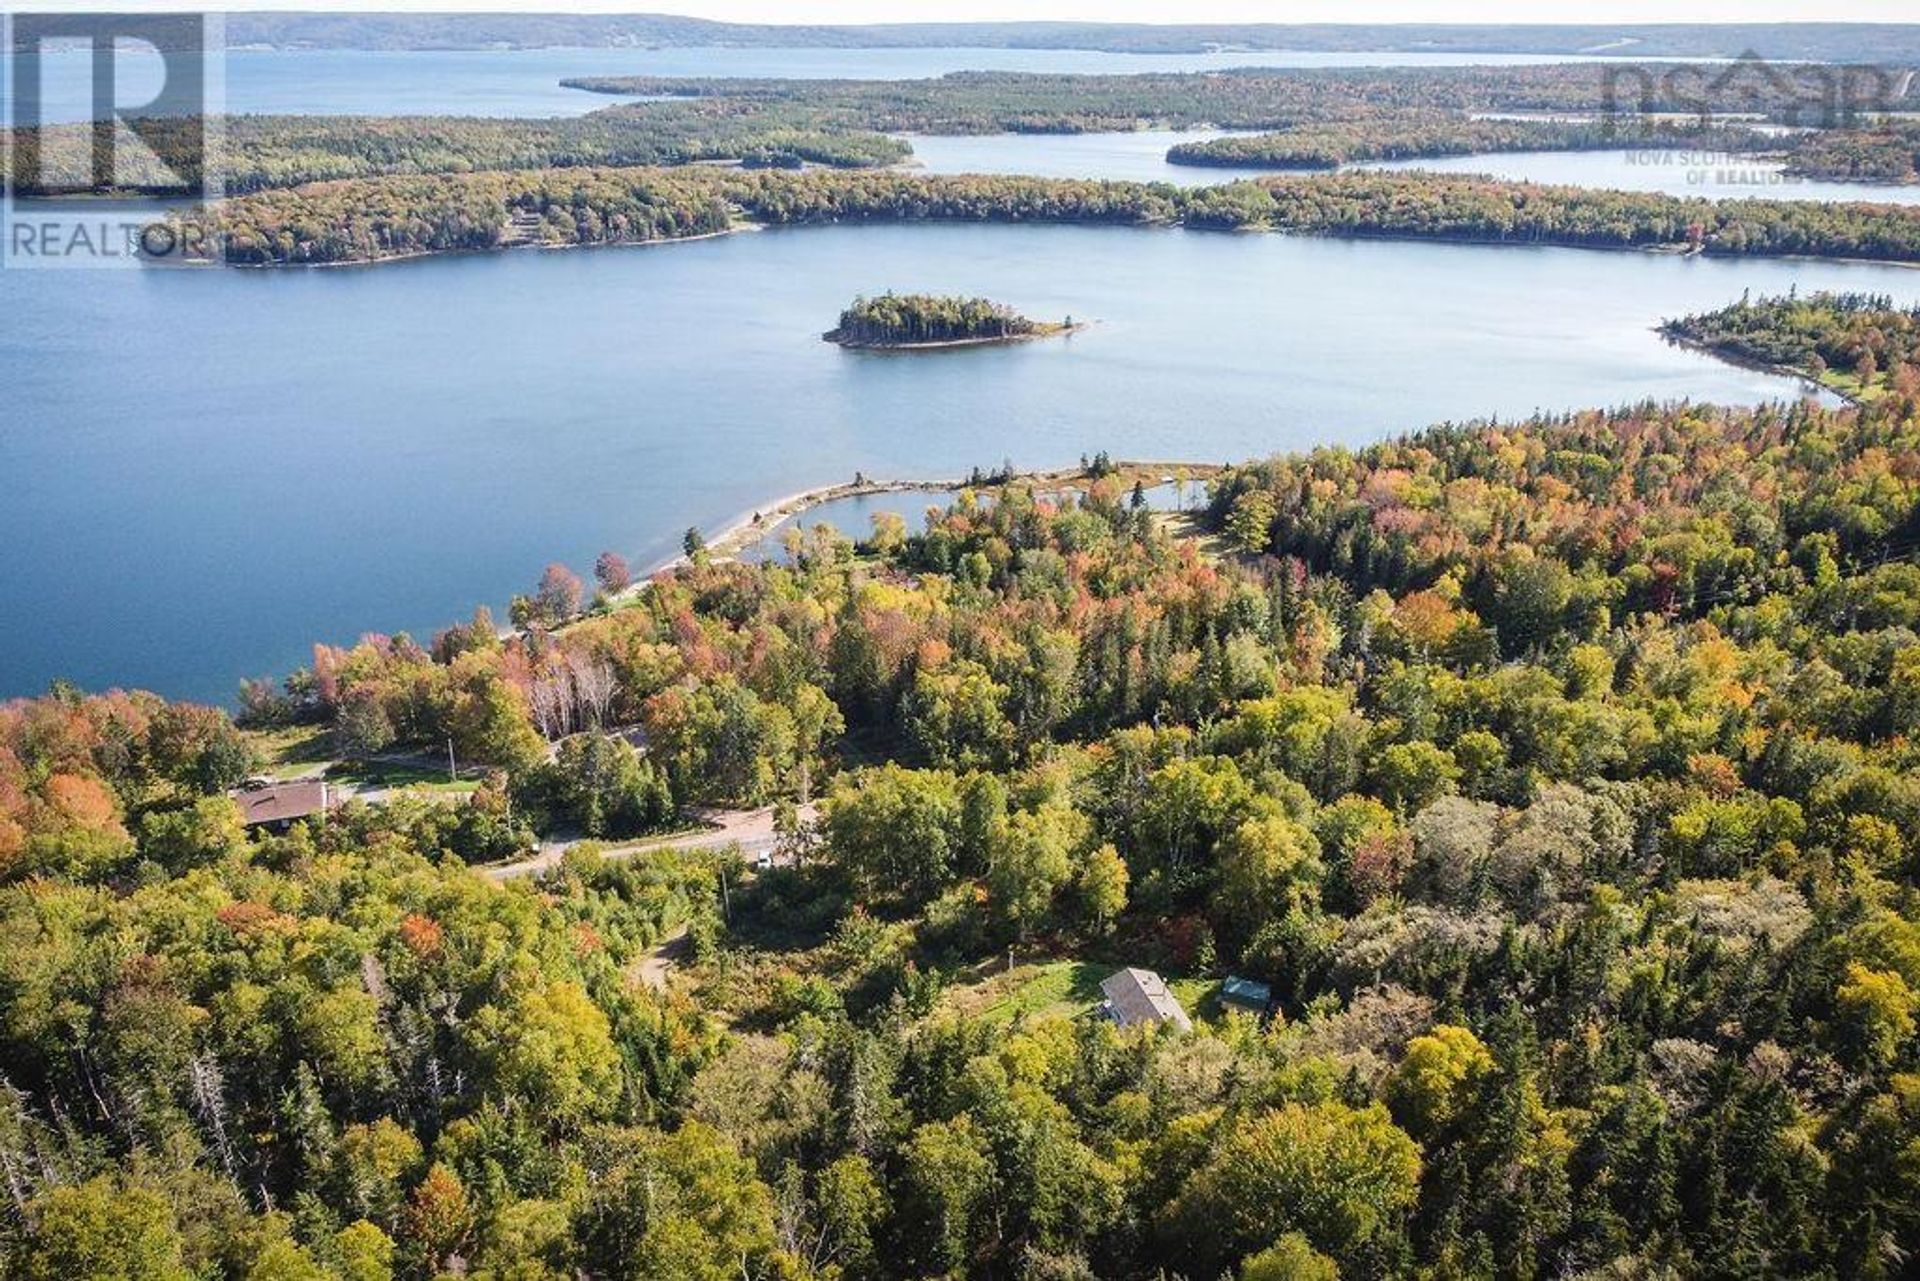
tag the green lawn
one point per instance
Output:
(1066, 988)
(1199, 997)
(292, 750)
(1057, 987)
(377, 774)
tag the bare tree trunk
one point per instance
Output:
(594, 686)
(209, 1102)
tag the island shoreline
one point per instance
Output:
(947, 344)
(1350, 235)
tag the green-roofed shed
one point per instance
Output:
(1237, 993)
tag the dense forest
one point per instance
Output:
(366, 220)
(1857, 344)
(1271, 98)
(263, 152)
(1886, 152)
(1417, 134)
(1320, 117)
(896, 320)
(1559, 778)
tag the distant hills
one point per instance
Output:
(1827, 42)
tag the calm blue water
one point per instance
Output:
(208, 471)
(854, 515)
(1676, 173)
(1141, 156)
(527, 82)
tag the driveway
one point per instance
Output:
(751, 830)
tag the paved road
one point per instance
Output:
(751, 830)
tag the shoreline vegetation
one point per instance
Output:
(1430, 135)
(1259, 98)
(922, 322)
(1309, 117)
(372, 220)
(1860, 347)
(1491, 851)
(1731, 354)
(1550, 782)
(749, 527)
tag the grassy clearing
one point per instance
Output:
(1192, 525)
(1199, 997)
(291, 750)
(1065, 988)
(295, 750)
(393, 776)
(1851, 386)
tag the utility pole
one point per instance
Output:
(453, 771)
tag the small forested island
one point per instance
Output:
(917, 321)
(1859, 345)
(1424, 134)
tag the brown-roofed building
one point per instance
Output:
(1138, 996)
(280, 805)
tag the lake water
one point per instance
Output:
(527, 82)
(1141, 156)
(853, 515)
(1674, 173)
(207, 471)
(1138, 156)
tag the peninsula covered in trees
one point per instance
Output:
(1413, 135)
(266, 152)
(1859, 345)
(1269, 98)
(1556, 778)
(908, 321)
(371, 219)
(1883, 151)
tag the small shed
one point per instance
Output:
(1246, 995)
(278, 806)
(1135, 996)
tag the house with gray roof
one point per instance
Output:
(1135, 996)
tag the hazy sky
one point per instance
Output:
(1122, 10)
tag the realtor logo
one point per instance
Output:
(107, 115)
(128, 136)
(1790, 94)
